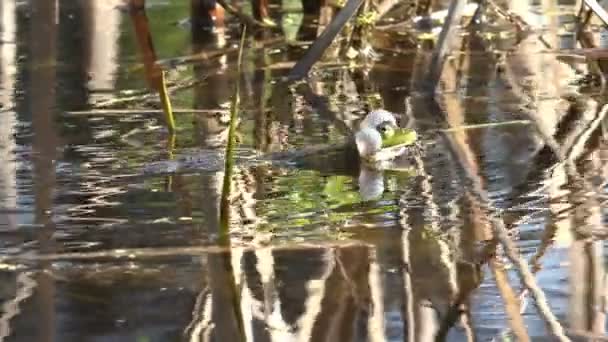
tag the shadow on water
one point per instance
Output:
(316, 248)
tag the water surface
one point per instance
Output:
(91, 249)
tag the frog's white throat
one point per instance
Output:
(368, 138)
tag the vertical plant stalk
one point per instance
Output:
(155, 76)
(224, 238)
(166, 103)
(170, 155)
(229, 157)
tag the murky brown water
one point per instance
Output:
(92, 250)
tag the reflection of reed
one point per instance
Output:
(511, 301)
(312, 294)
(8, 166)
(104, 46)
(10, 308)
(461, 150)
(41, 95)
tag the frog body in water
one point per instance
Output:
(364, 148)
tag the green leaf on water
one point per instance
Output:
(338, 189)
(401, 136)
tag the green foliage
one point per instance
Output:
(403, 137)
(367, 19)
(337, 190)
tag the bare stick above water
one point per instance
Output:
(598, 10)
(444, 43)
(316, 50)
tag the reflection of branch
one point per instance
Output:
(347, 278)
(477, 191)
(200, 323)
(408, 295)
(511, 302)
(321, 104)
(510, 250)
(455, 309)
(10, 308)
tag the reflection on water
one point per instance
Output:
(320, 249)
